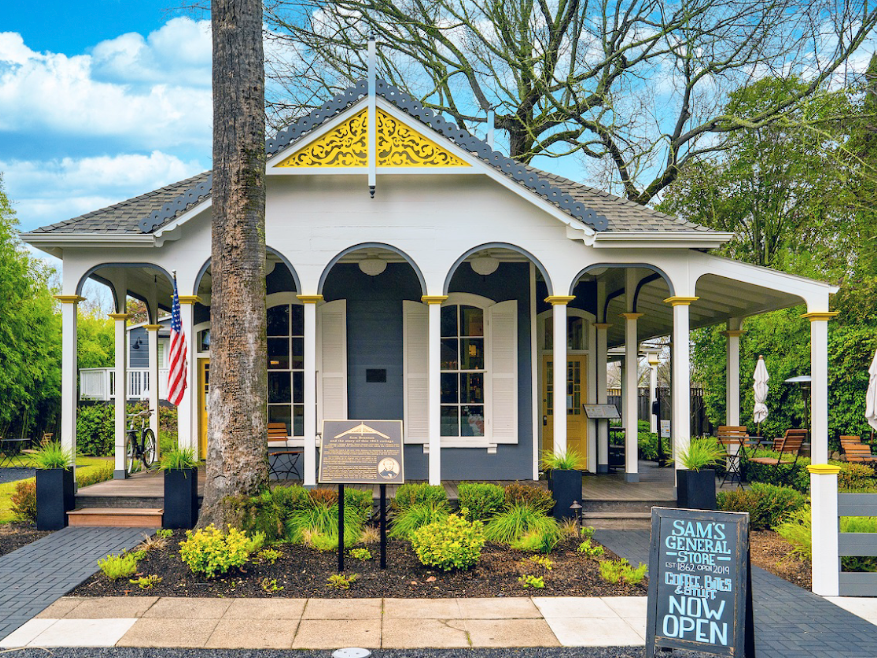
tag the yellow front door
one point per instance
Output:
(203, 390)
(576, 385)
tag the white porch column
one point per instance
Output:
(653, 397)
(69, 371)
(310, 374)
(630, 393)
(154, 365)
(187, 419)
(121, 376)
(434, 385)
(558, 303)
(602, 425)
(680, 429)
(825, 527)
(732, 378)
(819, 385)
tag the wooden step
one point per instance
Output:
(120, 517)
(617, 520)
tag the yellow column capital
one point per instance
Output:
(120, 316)
(310, 299)
(680, 301)
(560, 300)
(824, 469)
(433, 299)
(69, 299)
(152, 327)
(631, 316)
(602, 325)
(734, 333)
(189, 299)
(823, 316)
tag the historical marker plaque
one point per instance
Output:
(700, 586)
(362, 452)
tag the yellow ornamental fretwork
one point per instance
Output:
(398, 145)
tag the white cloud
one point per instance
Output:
(141, 93)
(44, 192)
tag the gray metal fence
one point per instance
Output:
(700, 424)
(857, 544)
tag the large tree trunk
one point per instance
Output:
(237, 434)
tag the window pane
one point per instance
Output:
(298, 387)
(449, 354)
(450, 421)
(471, 388)
(298, 420)
(449, 387)
(472, 420)
(548, 335)
(278, 387)
(278, 354)
(278, 321)
(298, 353)
(449, 320)
(298, 320)
(279, 413)
(472, 321)
(576, 333)
(472, 354)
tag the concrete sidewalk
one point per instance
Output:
(334, 623)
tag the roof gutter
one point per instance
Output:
(666, 239)
(54, 243)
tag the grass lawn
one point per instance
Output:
(83, 465)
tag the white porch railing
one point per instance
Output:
(100, 383)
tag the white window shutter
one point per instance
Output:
(502, 321)
(332, 328)
(415, 330)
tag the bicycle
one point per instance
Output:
(139, 449)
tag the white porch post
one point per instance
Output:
(558, 303)
(732, 379)
(187, 419)
(152, 334)
(121, 375)
(602, 425)
(69, 367)
(630, 393)
(824, 521)
(653, 397)
(819, 385)
(310, 374)
(681, 378)
(434, 388)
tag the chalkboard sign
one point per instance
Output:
(362, 452)
(700, 585)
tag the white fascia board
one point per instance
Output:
(760, 276)
(51, 242)
(179, 221)
(665, 239)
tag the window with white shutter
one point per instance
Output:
(415, 329)
(332, 361)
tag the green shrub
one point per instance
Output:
(416, 494)
(797, 531)
(536, 498)
(289, 498)
(211, 551)
(482, 500)
(797, 476)
(542, 561)
(767, 504)
(855, 477)
(647, 443)
(118, 566)
(24, 501)
(317, 524)
(95, 429)
(146, 582)
(323, 497)
(52, 455)
(178, 459)
(701, 453)
(256, 514)
(268, 555)
(591, 551)
(511, 525)
(359, 500)
(94, 474)
(340, 581)
(613, 571)
(568, 460)
(541, 540)
(416, 516)
(360, 554)
(453, 543)
(536, 582)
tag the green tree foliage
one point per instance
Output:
(30, 334)
(96, 338)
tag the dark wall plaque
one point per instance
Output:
(700, 586)
(362, 452)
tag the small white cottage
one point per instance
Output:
(415, 273)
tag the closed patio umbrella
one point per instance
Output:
(759, 413)
(871, 396)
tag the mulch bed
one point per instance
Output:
(773, 554)
(13, 536)
(302, 572)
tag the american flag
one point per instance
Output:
(179, 357)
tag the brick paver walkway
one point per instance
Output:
(790, 622)
(36, 575)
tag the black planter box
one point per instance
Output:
(180, 498)
(566, 487)
(696, 489)
(55, 497)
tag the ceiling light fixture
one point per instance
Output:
(372, 266)
(484, 265)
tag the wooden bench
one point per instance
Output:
(789, 445)
(282, 460)
(855, 451)
(733, 440)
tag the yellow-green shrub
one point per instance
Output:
(211, 551)
(118, 566)
(453, 543)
